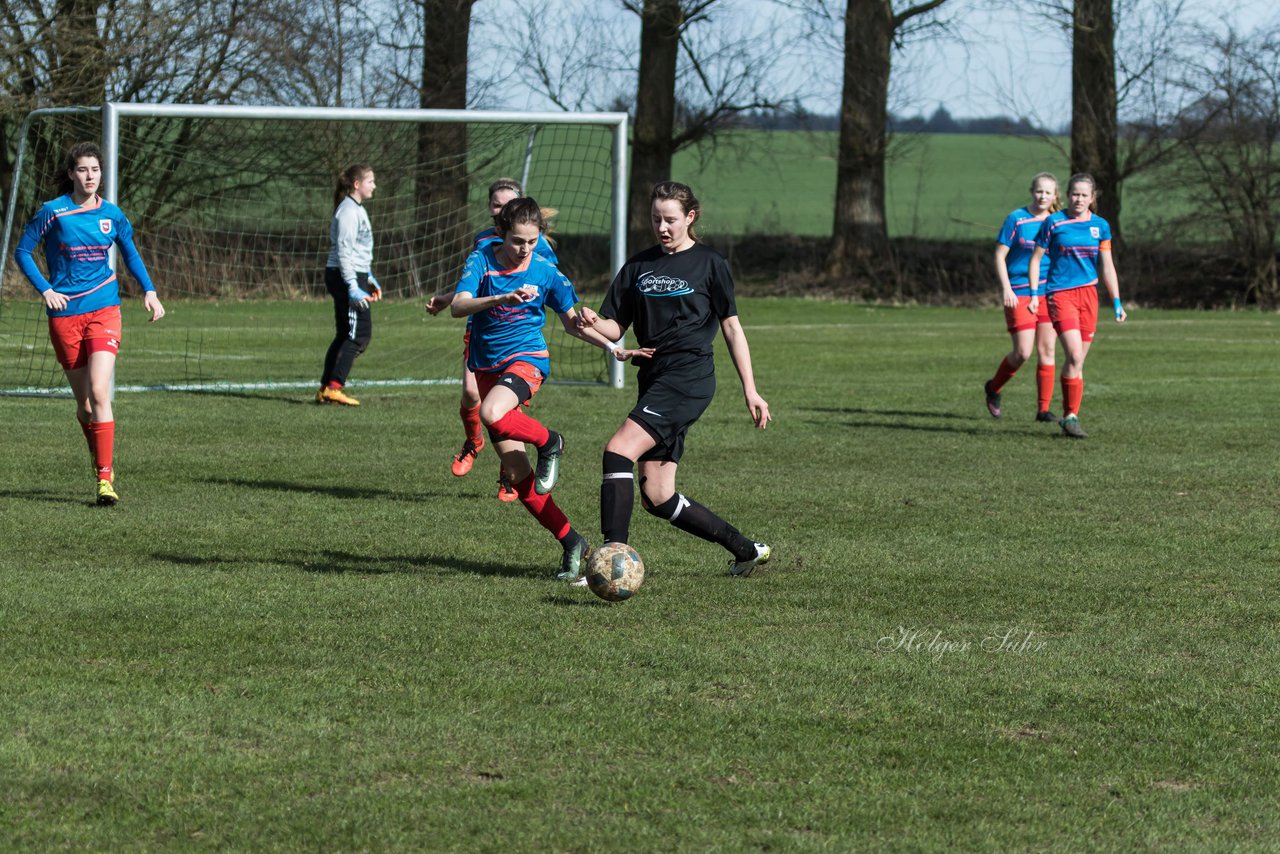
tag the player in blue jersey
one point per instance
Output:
(501, 191)
(349, 281)
(676, 296)
(1077, 243)
(82, 296)
(505, 289)
(1014, 245)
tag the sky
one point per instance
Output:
(994, 59)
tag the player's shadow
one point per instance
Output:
(47, 496)
(334, 491)
(293, 400)
(334, 562)
(897, 419)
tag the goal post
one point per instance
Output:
(231, 204)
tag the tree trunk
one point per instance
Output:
(652, 145)
(859, 229)
(442, 148)
(1093, 104)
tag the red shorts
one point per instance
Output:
(1018, 319)
(486, 380)
(76, 336)
(1075, 309)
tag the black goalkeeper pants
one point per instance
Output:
(353, 328)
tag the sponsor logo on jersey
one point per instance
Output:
(104, 225)
(655, 285)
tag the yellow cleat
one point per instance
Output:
(335, 395)
(107, 495)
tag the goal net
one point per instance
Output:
(231, 209)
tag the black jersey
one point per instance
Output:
(673, 303)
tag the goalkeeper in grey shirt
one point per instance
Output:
(349, 282)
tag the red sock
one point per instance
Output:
(1044, 385)
(334, 384)
(104, 440)
(1004, 373)
(543, 508)
(471, 423)
(1072, 392)
(516, 425)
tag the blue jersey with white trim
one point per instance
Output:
(77, 244)
(1019, 234)
(504, 334)
(1072, 247)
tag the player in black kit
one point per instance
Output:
(675, 296)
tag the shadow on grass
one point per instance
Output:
(566, 601)
(343, 492)
(924, 428)
(301, 398)
(47, 496)
(330, 561)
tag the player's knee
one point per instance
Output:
(667, 510)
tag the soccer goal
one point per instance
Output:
(231, 208)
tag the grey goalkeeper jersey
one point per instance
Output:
(351, 239)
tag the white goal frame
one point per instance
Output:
(113, 112)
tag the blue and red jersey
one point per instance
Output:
(77, 245)
(1072, 247)
(509, 333)
(542, 247)
(1019, 234)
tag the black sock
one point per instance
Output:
(553, 440)
(692, 518)
(617, 495)
(570, 539)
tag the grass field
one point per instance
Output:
(298, 631)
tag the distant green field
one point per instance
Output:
(947, 187)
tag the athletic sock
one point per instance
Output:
(471, 423)
(1004, 373)
(1072, 394)
(1044, 385)
(692, 518)
(617, 496)
(543, 508)
(104, 440)
(520, 427)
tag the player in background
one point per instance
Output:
(675, 295)
(349, 281)
(1014, 245)
(82, 296)
(501, 191)
(505, 288)
(1078, 245)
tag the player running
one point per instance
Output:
(1078, 243)
(501, 191)
(82, 296)
(349, 282)
(505, 289)
(1014, 245)
(676, 295)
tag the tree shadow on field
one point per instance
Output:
(341, 492)
(899, 413)
(332, 561)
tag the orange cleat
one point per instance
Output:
(466, 458)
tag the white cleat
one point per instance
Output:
(743, 568)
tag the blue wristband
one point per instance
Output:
(1115, 303)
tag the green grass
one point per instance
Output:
(298, 631)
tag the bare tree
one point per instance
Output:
(1229, 157)
(1094, 128)
(872, 28)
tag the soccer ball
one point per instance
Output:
(615, 572)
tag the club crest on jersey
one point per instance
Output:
(104, 225)
(654, 285)
(1095, 232)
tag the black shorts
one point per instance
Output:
(667, 407)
